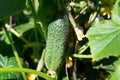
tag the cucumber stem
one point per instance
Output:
(82, 56)
(15, 52)
(25, 70)
(34, 15)
(71, 18)
(83, 48)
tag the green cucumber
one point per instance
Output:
(56, 41)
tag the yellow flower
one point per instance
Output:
(106, 11)
(31, 76)
(69, 62)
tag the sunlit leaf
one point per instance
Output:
(104, 36)
(104, 39)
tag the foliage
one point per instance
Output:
(8, 62)
(11, 7)
(36, 42)
(106, 35)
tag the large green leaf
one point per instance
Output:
(10, 7)
(104, 39)
(104, 36)
(8, 62)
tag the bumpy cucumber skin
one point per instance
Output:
(56, 41)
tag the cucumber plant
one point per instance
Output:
(95, 35)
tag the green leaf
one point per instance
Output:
(107, 64)
(6, 62)
(104, 36)
(116, 12)
(21, 29)
(10, 7)
(115, 75)
(104, 39)
(3, 37)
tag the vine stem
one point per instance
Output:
(83, 48)
(26, 70)
(32, 7)
(15, 52)
(75, 66)
(66, 70)
(82, 56)
(74, 25)
(34, 15)
(71, 18)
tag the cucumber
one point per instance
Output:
(55, 44)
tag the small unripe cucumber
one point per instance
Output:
(56, 41)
